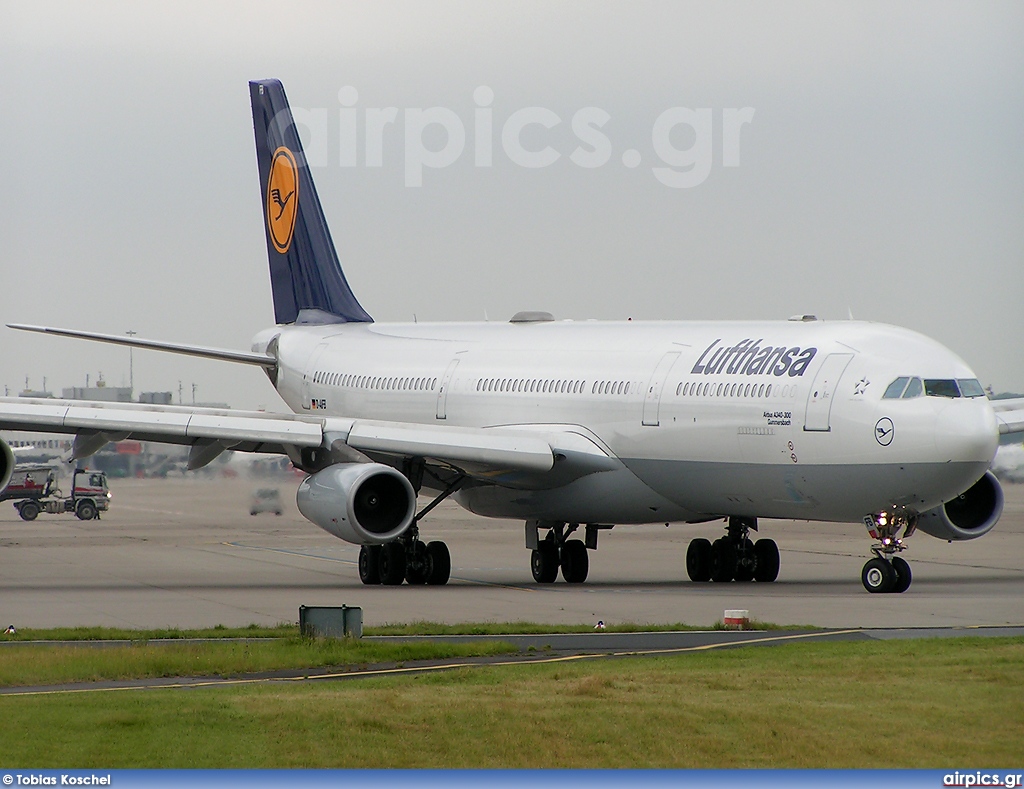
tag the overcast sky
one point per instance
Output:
(850, 158)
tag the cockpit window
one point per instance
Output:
(906, 388)
(970, 387)
(914, 389)
(895, 389)
(941, 387)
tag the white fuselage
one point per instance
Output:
(764, 419)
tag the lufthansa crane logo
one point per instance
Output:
(282, 198)
(884, 431)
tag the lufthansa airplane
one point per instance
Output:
(573, 427)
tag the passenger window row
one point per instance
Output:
(735, 390)
(396, 383)
(556, 386)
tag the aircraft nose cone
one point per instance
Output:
(966, 431)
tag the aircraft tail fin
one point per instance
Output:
(305, 274)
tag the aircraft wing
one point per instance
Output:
(1009, 414)
(522, 456)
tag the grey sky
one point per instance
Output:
(882, 173)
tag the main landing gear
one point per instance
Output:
(734, 556)
(887, 572)
(405, 559)
(556, 551)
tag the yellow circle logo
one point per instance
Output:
(282, 198)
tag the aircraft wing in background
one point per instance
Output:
(1009, 414)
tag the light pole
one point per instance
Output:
(131, 364)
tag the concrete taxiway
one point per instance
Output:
(186, 553)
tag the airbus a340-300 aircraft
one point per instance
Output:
(573, 424)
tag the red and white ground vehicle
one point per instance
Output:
(33, 489)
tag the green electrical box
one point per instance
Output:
(328, 621)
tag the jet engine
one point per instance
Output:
(6, 464)
(362, 503)
(970, 515)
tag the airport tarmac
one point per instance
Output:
(186, 553)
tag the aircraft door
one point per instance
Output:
(652, 401)
(442, 392)
(307, 376)
(819, 399)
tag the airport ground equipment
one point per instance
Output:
(33, 489)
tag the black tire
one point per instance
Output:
(878, 576)
(903, 574)
(369, 564)
(392, 563)
(746, 562)
(439, 563)
(698, 560)
(544, 563)
(29, 510)
(723, 560)
(417, 565)
(575, 562)
(766, 561)
(86, 510)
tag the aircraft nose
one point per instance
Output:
(966, 431)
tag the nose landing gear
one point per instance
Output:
(888, 572)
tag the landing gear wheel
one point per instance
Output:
(766, 561)
(903, 575)
(417, 566)
(369, 564)
(723, 560)
(698, 560)
(544, 562)
(439, 563)
(28, 511)
(86, 510)
(392, 563)
(746, 562)
(879, 576)
(575, 562)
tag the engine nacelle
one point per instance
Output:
(362, 503)
(6, 464)
(970, 515)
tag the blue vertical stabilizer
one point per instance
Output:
(305, 275)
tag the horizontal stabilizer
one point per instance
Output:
(221, 354)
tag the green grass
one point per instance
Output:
(124, 634)
(285, 630)
(49, 665)
(534, 628)
(938, 703)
